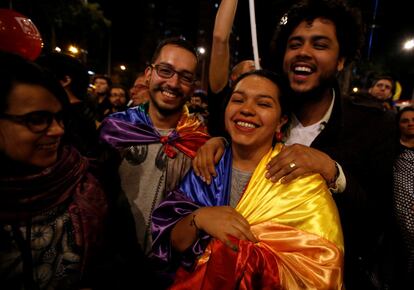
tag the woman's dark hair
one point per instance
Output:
(16, 70)
(347, 20)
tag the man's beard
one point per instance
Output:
(314, 95)
(166, 111)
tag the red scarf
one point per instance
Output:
(68, 180)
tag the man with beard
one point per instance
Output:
(118, 98)
(156, 141)
(350, 144)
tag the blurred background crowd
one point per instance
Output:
(116, 38)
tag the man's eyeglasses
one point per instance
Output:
(139, 87)
(38, 121)
(167, 72)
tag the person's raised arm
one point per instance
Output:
(220, 51)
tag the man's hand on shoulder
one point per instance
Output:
(296, 160)
(207, 157)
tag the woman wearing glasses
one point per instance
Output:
(51, 208)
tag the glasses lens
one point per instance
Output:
(164, 71)
(60, 118)
(167, 72)
(187, 79)
(39, 121)
(140, 87)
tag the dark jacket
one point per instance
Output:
(361, 138)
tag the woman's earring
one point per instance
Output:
(279, 136)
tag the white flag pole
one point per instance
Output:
(254, 34)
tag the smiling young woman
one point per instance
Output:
(242, 231)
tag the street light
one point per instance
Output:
(77, 52)
(73, 49)
(409, 44)
(202, 51)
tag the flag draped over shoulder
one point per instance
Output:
(134, 126)
(297, 224)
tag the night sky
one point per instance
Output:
(147, 21)
(137, 26)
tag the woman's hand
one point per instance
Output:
(207, 157)
(222, 223)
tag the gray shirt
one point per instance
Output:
(147, 174)
(239, 180)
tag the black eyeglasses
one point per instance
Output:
(37, 121)
(166, 71)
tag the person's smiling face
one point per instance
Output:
(17, 140)
(253, 114)
(169, 95)
(312, 55)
